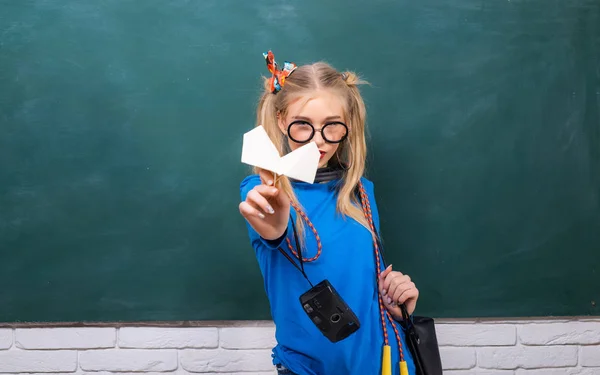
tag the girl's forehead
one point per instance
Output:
(317, 105)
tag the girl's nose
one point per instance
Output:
(318, 138)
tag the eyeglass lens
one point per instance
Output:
(332, 132)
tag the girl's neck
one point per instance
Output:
(327, 174)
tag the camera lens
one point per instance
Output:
(335, 318)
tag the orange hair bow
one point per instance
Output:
(278, 77)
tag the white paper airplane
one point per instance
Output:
(300, 164)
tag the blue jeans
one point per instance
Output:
(281, 370)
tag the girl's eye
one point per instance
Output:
(302, 125)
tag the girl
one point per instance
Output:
(336, 219)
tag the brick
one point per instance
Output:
(590, 356)
(124, 360)
(458, 358)
(528, 357)
(589, 319)
(520, 321)
(14, 361)
(222, 360)
(165, 338)
(479, 372)
(247, 338)
(476, 334)
(65, 338)
(576, 333)
(562, 371)
(6, 338)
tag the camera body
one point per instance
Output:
(329, 312)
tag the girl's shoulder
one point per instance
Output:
(368, 185)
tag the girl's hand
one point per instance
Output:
(266, 208)
(397, 289)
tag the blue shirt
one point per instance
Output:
(348, 262)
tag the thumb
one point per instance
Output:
(385, 272)
(281, 197)
(266, 177)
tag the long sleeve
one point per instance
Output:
(259, 243)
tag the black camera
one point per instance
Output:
(328, 311)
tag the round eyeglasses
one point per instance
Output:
(302, 132)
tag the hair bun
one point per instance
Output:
(351, 78)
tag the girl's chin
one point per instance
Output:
(323, 164)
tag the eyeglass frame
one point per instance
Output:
(317, 130)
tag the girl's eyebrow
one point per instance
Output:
(330, 118)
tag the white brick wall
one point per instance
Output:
(515, 347)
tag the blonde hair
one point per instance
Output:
(351, 153)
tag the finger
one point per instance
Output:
(382, 277)
(282, 198)
(392, 282)
(408, 295)
(398, 278)
(257, 200)
(401, 290)
(387, 282)
(267, 191)
(274, 195)
(248, 211)
(385, 272)
(397, 284)
(266, 177)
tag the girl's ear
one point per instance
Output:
(281, 123)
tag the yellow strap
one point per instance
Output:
(403, 368)
(386, 365)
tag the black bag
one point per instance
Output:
(422, 343)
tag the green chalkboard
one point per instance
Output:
(120, 136)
